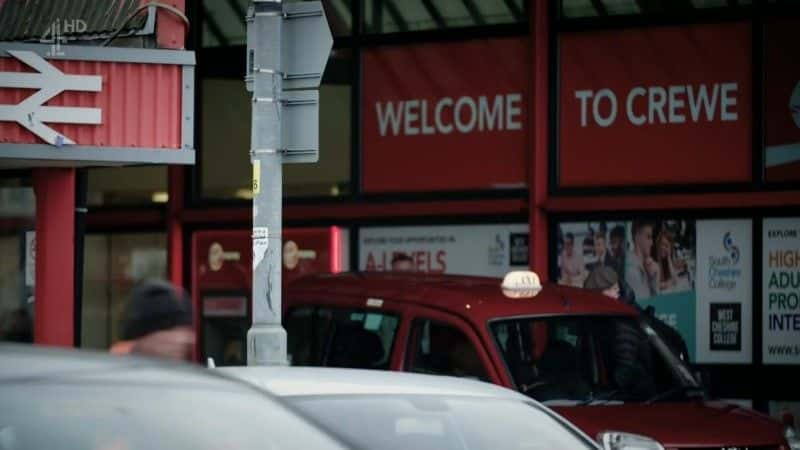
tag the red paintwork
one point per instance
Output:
(540, 127)
(141, 105)
(55, 256)
(470, 302)
(174, 225)
(452, 293)
(624, 154)
(334, 212)
(680, 425)
(171, 30)
(674, 201)
(484, 158)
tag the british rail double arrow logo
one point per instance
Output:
(50, 82)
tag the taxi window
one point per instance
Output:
(322, 336)
(443, 349)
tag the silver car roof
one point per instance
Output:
(296, 381)
(321, 381)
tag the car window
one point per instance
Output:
(402, 422)
(334, 337)
(588, 359)
(443, 349)
(141, 409)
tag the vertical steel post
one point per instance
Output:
(266, 339)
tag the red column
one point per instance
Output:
(55, 256)
(175, 226)
(539, 125)
(171, 32)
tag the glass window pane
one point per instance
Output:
(17, 241)
(126, 186)
(225, 138)
(224, 21)
(113, 264)
(391, 16)
(341, 337)
(595, 8)
(445, 350)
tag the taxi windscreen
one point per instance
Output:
(591, 360)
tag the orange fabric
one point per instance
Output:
(122, 347)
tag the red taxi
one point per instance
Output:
(589, 357)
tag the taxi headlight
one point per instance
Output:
(792, 438)
(618, 440)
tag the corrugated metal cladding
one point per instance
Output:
(141, 105)
(34, 19)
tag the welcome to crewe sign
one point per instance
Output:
(95, 106)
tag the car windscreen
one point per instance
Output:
(69, 413)
(402, 422)
(590, 359)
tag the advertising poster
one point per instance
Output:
(782, 102)
(654, 263)
(452, 116)
(657, 105)
(724, 291)
(484, 250)
(781, 291)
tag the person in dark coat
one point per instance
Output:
(606, 281)
(158, 322)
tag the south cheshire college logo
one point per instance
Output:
(733, 251)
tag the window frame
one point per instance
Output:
(347, 309)
(413, 340)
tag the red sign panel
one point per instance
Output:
(223, 259)
(656, 106)
(782, 102)
(139, 104)
(450, 116)
(313, 250)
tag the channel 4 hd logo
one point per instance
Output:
(55, 34)
(728, 245)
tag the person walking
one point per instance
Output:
(158, 322)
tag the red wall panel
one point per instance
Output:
(682, 97)
(140, 103)
(782, 101)
(446, 116)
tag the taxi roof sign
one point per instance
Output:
(521, 284)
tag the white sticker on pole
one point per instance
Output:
(30, 258)
(260, 244)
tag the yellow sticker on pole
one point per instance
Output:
(256, 177)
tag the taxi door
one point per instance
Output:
(444, 344)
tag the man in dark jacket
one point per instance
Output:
(606, 281)
(158, 322)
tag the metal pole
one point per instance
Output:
(266, 339)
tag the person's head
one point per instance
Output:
(569, 243)
(604, 280)
(617, 240)
(401, 262)
(599, 245)
(159, 319)
(664, 243)
(642, 233)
